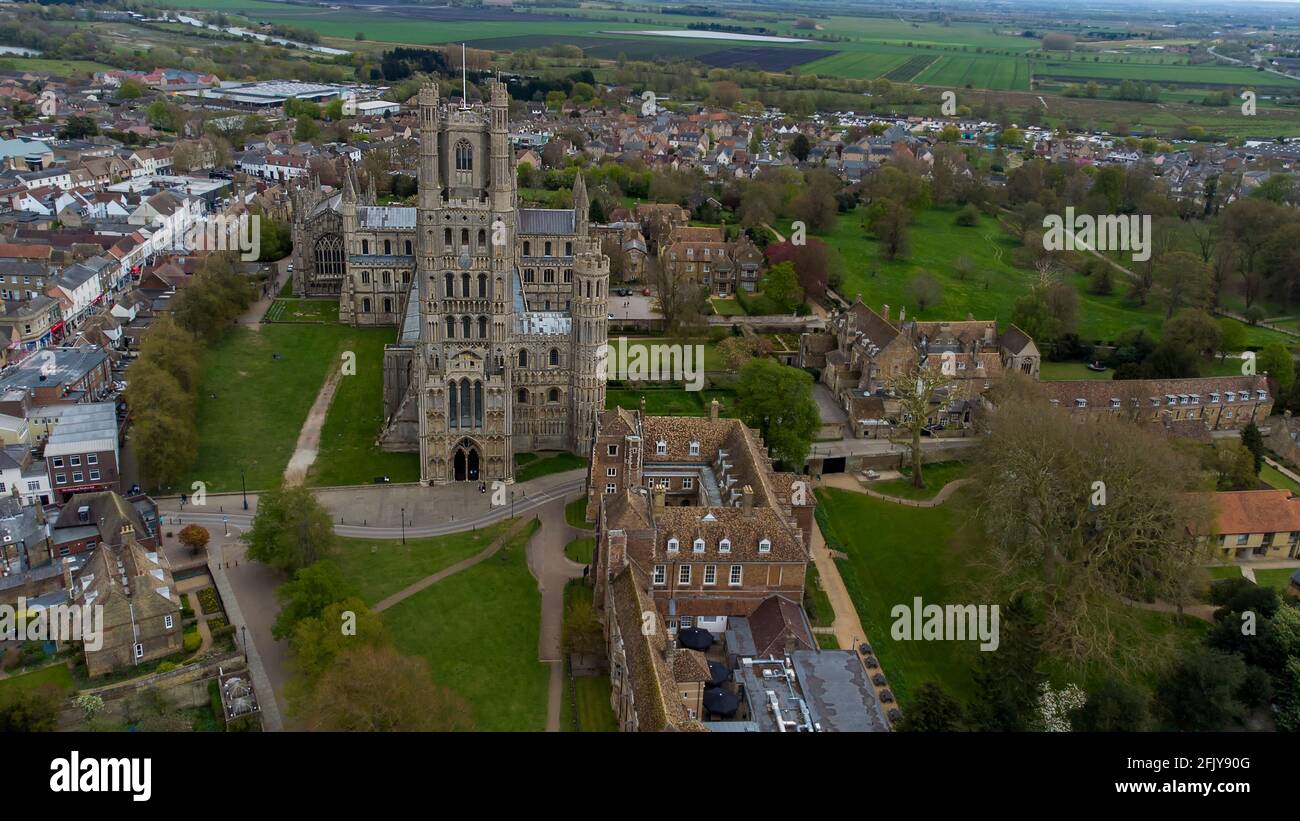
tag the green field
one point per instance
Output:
(348, 453)
(581, 550)
(1278, 578)
(535, 465)
(381, 567)
(56, 674)
(252, 406)
(990, 293)
(478, 629)
(894, 554)
(934, 476)
(1274, 478)
(303, 310)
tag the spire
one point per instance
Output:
(581, 202)
(349, 184)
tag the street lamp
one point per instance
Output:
(403, 525)
(244, 487)
(244, 628)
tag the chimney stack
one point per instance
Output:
(747, 497)
(660, 498)
(643, 404)
(713, 410)
(67, 575)
(884, 311)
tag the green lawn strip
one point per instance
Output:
(727, 307)
(594, 713)
(260, 402)
(815, 601)
(935, 476)
(478, 629)
(896, 553)
(827, 641)
(1279, 578)
(637, 350)
(557, 462)
(303, 310)
(668, 401)
(1275, 478)
(1224, 572)
(575, 513)
(348, 453)
(57, 674)
(381, 567)
(1071, 371)
(581, 550)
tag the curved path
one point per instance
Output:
(553, 571)
(844, 481)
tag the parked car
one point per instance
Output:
(381, 480)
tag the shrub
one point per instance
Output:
(209, 600)
(968, 216)
(193, 641)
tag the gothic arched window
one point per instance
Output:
(523, 358)
(482, 327)
(453, 406)
(451, 327)
(464, 327)
(464, 156)
(329, 256)
(555, 356)
(482, 286)
(451, 285)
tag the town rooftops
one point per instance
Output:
(68, 366)
(83, 428)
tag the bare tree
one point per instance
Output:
(1085, 514)
(916, 390)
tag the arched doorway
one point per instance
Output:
(465, 464)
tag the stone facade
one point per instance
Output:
(501, 311)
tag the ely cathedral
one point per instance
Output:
(500, 310)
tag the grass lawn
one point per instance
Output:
(348, 453)
(896, 553)
(935, 476)
(936, 243)
(827, 641)
(1224, 572)
(727, 307)
(303, 310)
(1068, 371)
(1274, 478)
(594, 713)
(532, 465)
(575, 513)
(261, 403)
(1278, 578)
(581, 550)
(815, 601)
(57, 674)
(380, 567)
(479, 630)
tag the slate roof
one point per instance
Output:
(546, 221)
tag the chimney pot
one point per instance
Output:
(713, 410)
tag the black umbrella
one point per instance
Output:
(695, 638)
(721, 702)
(718, 674)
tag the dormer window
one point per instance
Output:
(698, 546)
(764, 546)
(673, 545)
(1229, 396)
(1214, 398)
(1196, 399)
(724, 546)
(1081, 403)
(695, 448)
(661, 448)
(1261, 395)
(1155, 401)
(1170, 399)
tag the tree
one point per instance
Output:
(371, 689)
(78, 127)
(680, 299)
(1008, 681)
(781, 285)
(129, 90)
(1275, 360)
(890, 222)
(31, 710)
(1115, 706)
(1180, 279)
(925, 290)
(1232, 335)
(1232, 464)
(737, 351)
(1048, 312)
(317, 642)
(1201, 692)
(1193, 329)
(1081, 518)
(932, 710)
(1253, 441)
(777, 400)
(811, 264)
(916, 390)
(800, 147)
(194, 537)
(305, 129)
(291, 529)
(163, 116)
(312, 589)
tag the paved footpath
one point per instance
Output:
(553, 570)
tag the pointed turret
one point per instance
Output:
(581, 204)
